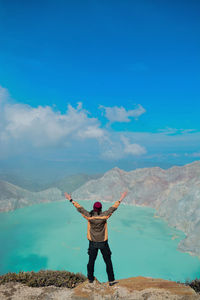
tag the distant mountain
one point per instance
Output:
(68, 183)
(24, 181)
(73, 182)
(174, 193)
(13, 197)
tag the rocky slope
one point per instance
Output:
(174, 193)
(135, 288)
(13, 197)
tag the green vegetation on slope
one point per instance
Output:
(45, 278)
(61, 279)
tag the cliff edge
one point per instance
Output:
(134, 288)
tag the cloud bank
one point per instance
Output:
(23, 127)
(45, 127)
(76, 135)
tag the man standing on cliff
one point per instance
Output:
(97, 235)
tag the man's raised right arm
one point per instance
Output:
(115, 205)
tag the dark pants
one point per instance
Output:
(93, 251)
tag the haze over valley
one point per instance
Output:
(174, 193)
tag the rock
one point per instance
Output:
(135, 288)
(13, 197)
(18, 291)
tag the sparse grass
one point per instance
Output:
(45, 278)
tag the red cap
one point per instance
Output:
(97, 206)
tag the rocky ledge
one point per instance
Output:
(139, 288)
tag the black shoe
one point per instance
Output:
(111, 283)
(91, 280)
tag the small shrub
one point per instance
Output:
(45, 278)
(194, 284)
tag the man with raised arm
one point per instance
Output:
(97, 235)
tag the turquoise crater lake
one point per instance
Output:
(53, 236)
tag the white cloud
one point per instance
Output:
(120, 114)
(90, 132)
(194, 154)
(169, 130)
(24, 127)
(133, 149)
(188, 130)
(4, 95)
(44, 127)
(111, 148)
(117, 146)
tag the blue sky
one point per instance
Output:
(129, 70)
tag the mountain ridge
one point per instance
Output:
(174, 193)
(13, 197)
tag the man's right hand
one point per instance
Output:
(123, 195)
(68, 196)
